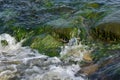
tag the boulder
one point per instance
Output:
(109, 70)
(108, 29)
(45, 44)
(62, 28)
(59, 31)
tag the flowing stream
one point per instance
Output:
(23, 63)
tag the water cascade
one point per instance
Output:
(24, 63)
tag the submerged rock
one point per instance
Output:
(67, 28)
(108, 29)
(108, 70)
(59, 31)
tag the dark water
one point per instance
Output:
(31, 13)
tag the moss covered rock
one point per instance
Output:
(52, 34)
(108, 29)
(53, 18)
(45, 44)
(65, 28)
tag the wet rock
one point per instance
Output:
(25, 19)
(89, 69)
(87, 56)
(46, 44)
(108, 71)
(66, 28)
(60, 31)
(108, 29)
(107, 68)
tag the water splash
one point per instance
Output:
(11, 43)
(24, 63)
(74, 51)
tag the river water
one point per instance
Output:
(19, 62)
(23, 63)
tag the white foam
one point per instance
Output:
(74, 51)
(11, 43)
(34, 65)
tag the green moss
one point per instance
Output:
(21, 33)
(46, 44)
(94, 5)
(48, 3)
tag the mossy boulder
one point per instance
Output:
(65, 28)
(108, 29)
(53, 33)
(29, 22)
(45, 44)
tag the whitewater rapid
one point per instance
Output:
(24, 63)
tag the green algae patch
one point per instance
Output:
(94, 5)
(46, 44)
(19, 32)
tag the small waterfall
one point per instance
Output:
(24, 63)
